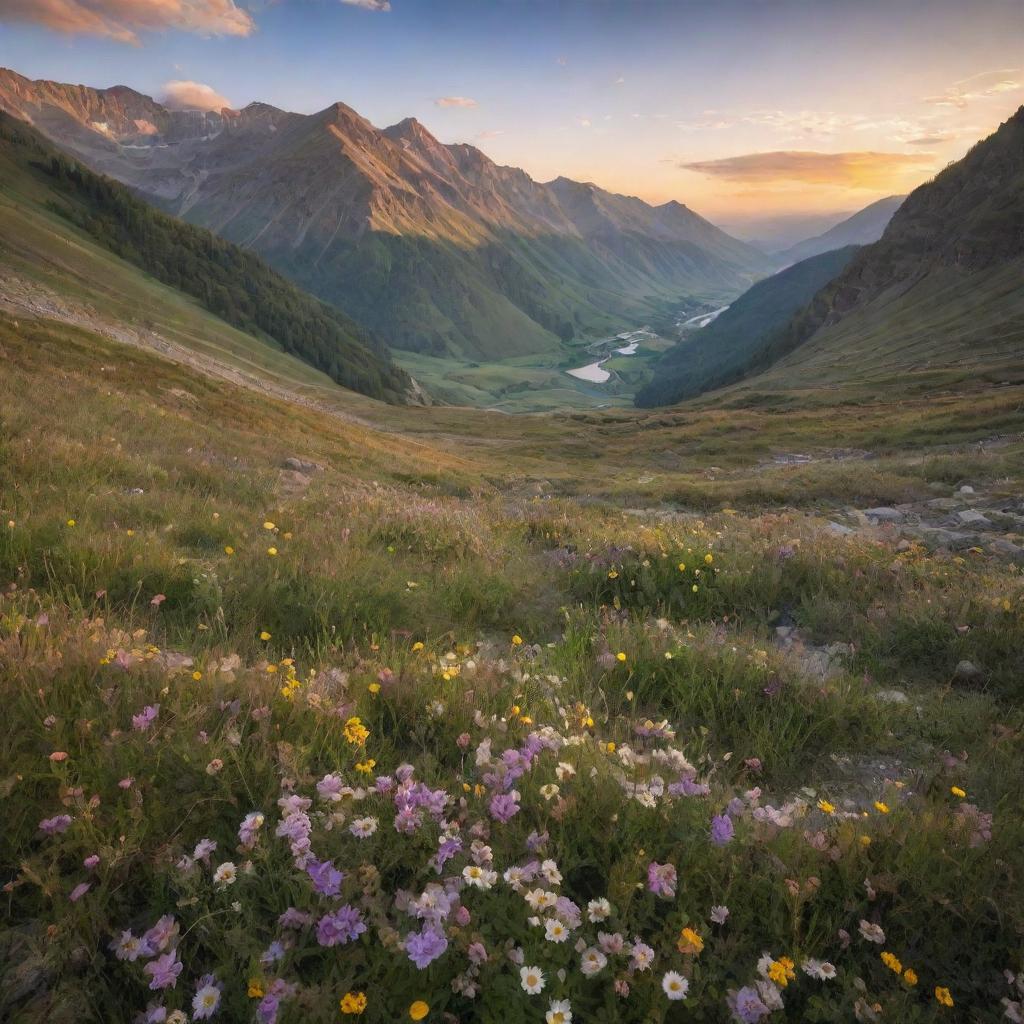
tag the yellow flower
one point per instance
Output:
(130, 533)
(613, 575)
(708, 558)
(865, 840)
(777, 973)
(610, 747)
(621, 656)
(271, 552)
(229, 550)
(374, 687)
(694, 588)
(355, 732)
(910, 976)
(71, 522)
(943, 995)
(682, 567)
(418, 1010)
(892, 962)
(516, 640)
(881, 808)
(197, 675)
(957, 791)
(353, 1002)
(268, 525)
(689, 942)
(826, 807)
(255, 989)
(264, 635)
(271, 668)
(367, 766)
(418, 646)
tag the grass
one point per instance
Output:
(464, 584)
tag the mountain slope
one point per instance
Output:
(436, 247)
(229, 282)
(863, 228)
(940, 289)
(735, 341)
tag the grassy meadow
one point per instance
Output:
(467, 717)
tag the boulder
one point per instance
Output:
(300, 465)
(967, 671)
(885, 515)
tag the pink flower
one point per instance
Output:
(79, 891)
(158, 600)
(126, 783)
(91, 861)
(661, 879)
(59, 755)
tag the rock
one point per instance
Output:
(300, 465)
(967, 671)
(885, 515)
(952, 539)
(965, 489)
(1006, 548)
(838, 529)
(944, 504)
(783, 632)
(892, 697)
(904, 545)
(971, 517)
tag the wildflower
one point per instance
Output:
(363, 828)
(480, 878)
(957, 792)
(197, 675)
(264, 635)
(592, 962)
(206, 999)
(943, 995)
(145, 718)
(366, 767)
(892, 962)
(621, 656)
(825, 807)
(353, 1003)
(56, 825)
(661, 879)
(516, 640)
(425, 946)
(126, 947)
(881, 808)
(689, 942)
(598, 910)
(708, 558)
(721, 829)
(910, 976)
(228, 550)
(418, 1010)
(872, 932)
(719, 914)
(504, 806)
(268, 525)
(59, 755)
(225, 875)
(71, 522)
(79, 891)
(641, 956)
(418, 646)
(164, 970)
(355, 732)
(747, 1005)
(674, 985)
(255, 990)
(555, 931)
(532, 980)
(550, 791)
(271, 551)
(214, 766)
(343, 926)
(559, 1012)
(374, 688)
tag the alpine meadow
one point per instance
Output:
(512, 513)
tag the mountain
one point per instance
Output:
(733, 344)
(863, 228)
(937, 298)
(435, 247)
(228, 281)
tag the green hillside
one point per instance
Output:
(738, 340)
(231, 283)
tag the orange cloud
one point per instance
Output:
(124, 19)
(192, 96)
(867, 170)
(977, 87)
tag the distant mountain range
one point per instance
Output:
(938, 298)
(435, 247)
(863, 228)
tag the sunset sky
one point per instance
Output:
(743, 109)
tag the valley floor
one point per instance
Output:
(320, 708)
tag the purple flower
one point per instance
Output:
(142, 721)
(426, 946)
(164, 970)
(325, 876)
(721, 829)
(344, 925)
(293, 918)
(79, 891)
(661, 879)
(160, 935)
(504, 806)
(54, 826)
(446, 849)
(536, 841)
(746, 1005)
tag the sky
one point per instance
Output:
(748, 111)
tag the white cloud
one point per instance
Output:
(184, 95)
(977, 87)
(122, 20)
(369, 5)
